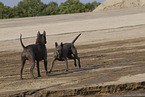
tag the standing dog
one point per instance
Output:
(34, 52)
(64, 51)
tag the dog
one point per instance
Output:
(64, 51)
(34, 52)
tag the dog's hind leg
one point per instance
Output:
(75, 54)
(32, 68)
(75, 62)
(76, 57)
(79, 62)
(32, 62)
(71, 57)
(22, 67)
(38, 70)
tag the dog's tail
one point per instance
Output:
(21, 41)
(76, 38)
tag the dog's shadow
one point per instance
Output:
(60, 74)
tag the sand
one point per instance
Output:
(111, 48)
(119, 4)
(10, 29)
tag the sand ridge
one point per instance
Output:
(119, 4)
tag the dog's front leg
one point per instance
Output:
(45, 65)
(52, 63)
(66, 64)
(38, 70)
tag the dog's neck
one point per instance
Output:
(39, 43)
(40, 39)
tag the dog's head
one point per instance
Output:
(41, 38)
(58, 50)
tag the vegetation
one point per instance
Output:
(32, 8)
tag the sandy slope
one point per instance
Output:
(10, 29)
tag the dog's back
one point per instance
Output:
(38, 51)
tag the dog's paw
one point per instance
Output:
(79, 66)
(39, 75)
(75, 65)
(35, 78)
(47, 73)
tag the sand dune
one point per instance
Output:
(119, 4)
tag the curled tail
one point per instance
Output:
(76, 38)
(21, 41)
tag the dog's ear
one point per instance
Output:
(56, 44)
(61, 44)
(44, 33)
(38, 33)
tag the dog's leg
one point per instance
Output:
(79, 62)
(22, 66)
(66, 64)
(32, 68)
(38, 70)
(76, 57)
(71, 57)
(32, 62)
(52, 63)
(75, 62)
(75, 54)
(45, 65)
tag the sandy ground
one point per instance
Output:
(111, 49)
(98, 23)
